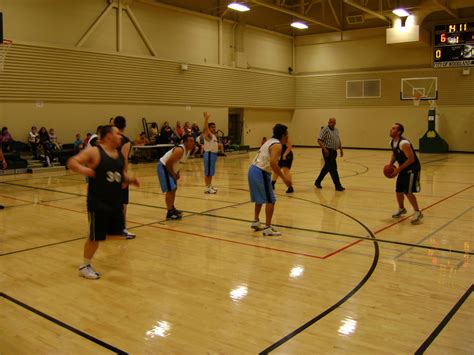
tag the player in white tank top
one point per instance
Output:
(259, 177)
(168, 173)
(211, 147)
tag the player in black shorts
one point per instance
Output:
(125, 146)
(408, 171)
(285, 162)
(104, 165)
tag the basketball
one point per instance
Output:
(388, 171)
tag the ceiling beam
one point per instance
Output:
(446, 8)
(334, 13)
(369, 11)
(295, 14)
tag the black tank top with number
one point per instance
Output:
(105, 189)
(400, 156)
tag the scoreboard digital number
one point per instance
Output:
(454, 45)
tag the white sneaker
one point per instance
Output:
(416, 217)
(257, 226)
(88, 272)
(271, 231)
(214, 188)
(128, 235)
(399, 213)
(210, 190)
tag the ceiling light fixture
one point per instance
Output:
(238, 7)
(299, 25)
(401, 12)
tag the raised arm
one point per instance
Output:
(207, 132)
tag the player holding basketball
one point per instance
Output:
(408, 171)
(259, 177)
(104, 165)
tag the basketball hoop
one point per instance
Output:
(417, 99)
(4, 47)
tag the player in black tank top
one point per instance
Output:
(125, 145)
(408, 171)
(104, 165)
(104, 191)
(285, 162)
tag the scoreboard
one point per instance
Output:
(454, 45)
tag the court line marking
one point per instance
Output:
(361, 283)
(444, 322)
(434, 232)
(63, 325)
(423, 209)
(279, 225)
(240, 243)
(289, 227)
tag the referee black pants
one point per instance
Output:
(330, 166)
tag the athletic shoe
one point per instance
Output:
(173, 215)
(257, 226)
(318, 185)
(88, 272)
(2, 207)
(128, 235)
(290, 190)
(399, 213)
(209, 190)
(416, 217)
(270, 231)
(214, 188)
(177, 211)
(340, 188)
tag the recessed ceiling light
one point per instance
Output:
(238, 7)
(401, 12)
(299, 25)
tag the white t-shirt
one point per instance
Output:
(262, 160)
(211, 145)
(177, 164)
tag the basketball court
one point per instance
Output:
(343, 277)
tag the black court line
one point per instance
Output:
(64, 325)
(435, 231)
(361, 283)
(444, 322)
(42, 246)
(277, 225)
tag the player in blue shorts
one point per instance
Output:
(259, 176)
(168, 173)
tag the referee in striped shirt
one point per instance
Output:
(329, 142)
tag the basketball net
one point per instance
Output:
(417, 99)
(4, 47)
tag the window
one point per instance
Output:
(359, 89)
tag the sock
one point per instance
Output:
(86, 262)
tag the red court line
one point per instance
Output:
(341, 249)
(240, 243)
(423, 209)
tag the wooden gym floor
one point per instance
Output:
(344, 277)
